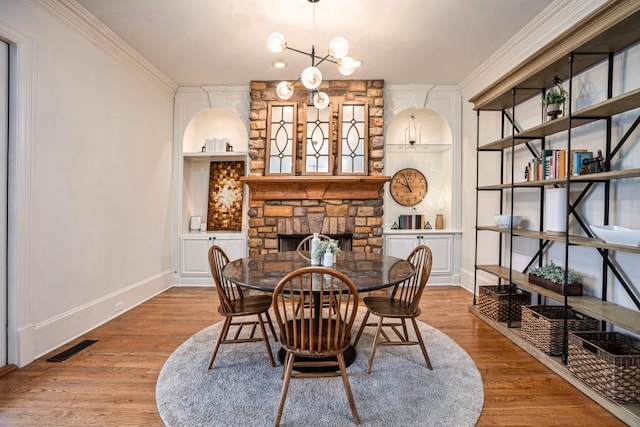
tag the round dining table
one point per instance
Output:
(367, 271)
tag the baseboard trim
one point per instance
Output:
(61, 329)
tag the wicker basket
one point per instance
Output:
(543, 326)
(495, 304)
(609, 362)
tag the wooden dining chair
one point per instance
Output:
(402, 304)
(233, 304)
(315, 308)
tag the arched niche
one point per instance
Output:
(434, 129)
(432, 154)
(215, 123)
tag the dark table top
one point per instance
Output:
(367, 271)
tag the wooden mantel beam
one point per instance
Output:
(314, 187)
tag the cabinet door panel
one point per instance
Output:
(401, 246)
(194, 256)
(441, 251)
(234, 247)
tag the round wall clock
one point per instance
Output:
(408, 187)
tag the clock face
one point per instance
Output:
(408, 187)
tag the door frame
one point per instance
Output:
(20, 336)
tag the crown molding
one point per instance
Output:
(545, 27)
(84, 22)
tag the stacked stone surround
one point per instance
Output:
(362, 218)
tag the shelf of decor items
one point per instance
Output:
(610, 29)
(417, 148)
(222, 155)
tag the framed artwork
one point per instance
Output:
(353, 139)
(280, 156)
(317, 148)
(224, 212)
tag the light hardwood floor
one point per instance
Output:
(112, 383)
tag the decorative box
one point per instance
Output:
(573, 289)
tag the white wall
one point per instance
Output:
(98, 208)
(590, 88)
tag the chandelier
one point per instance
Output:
(311, 77)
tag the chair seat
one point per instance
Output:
(388, 307)
(248, 305)
(326, 348)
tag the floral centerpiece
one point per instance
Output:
(326, 245)
(552, 276)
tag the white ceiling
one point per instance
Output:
(223, 42)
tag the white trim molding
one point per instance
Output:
(19, 194)
(84, 22)
(558, 17)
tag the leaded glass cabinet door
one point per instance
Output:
(353, 139)
(281, 139)
(317, 150)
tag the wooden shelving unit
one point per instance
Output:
(610, 107)
(610, 29)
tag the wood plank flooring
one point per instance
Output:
(112, 382)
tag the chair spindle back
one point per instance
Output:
(410, 291)
(228, 293)
(315, 308)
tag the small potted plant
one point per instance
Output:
(325, 246)
(554, 101)
(551, 277)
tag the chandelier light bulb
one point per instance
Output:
(284, 90)
(338, 47)
(320, 100)
(276, 42)
(311, 77)
(347, 65)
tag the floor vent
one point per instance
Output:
(71, 351)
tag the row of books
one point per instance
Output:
(553, 164)
(412, 222)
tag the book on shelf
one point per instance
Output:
(579, 158)
(418, 221)
(405, 222)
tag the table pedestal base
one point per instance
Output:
(349, 356)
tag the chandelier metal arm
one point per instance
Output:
(313, 56)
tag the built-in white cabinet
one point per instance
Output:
(194, 248)
(444, 247)
(204, 117)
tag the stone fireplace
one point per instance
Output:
(327, 204)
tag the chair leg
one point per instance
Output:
(221, 337)
(273, 331)
(404, 329)
(265, 338)
(347, 387)
(364, 323)
(374, 346)
(285, 385)
(424, 350)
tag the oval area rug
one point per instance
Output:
(242, 389)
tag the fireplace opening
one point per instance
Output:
(289, 242)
